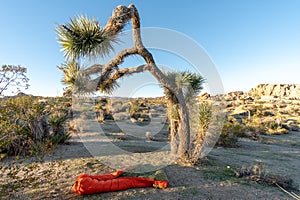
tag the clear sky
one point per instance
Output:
(250, 41)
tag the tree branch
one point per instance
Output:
(113, 63)
(110, 72)
(94, 69)
(120, 73)
(128, 71)
(118, 20)
(13, 77)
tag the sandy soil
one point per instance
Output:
(52, 176)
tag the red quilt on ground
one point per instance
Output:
(88, 184)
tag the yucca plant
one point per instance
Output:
(57, 121)
(108, 87)
(70, 70)
(75, 80)
(190, 84)
(200, 121)
(83, 37)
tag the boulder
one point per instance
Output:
(287, 91)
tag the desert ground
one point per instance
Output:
(254, 168)
(52, 176)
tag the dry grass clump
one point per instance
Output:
(278, 131)
(258, 174)
(121, 116)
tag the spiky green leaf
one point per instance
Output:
(84, 37)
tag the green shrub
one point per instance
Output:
(134, 107)
(229, 135)
(227, 140)
(232, 129)
(255, 125)
(59, 138)
(272, 125)
(24, 129)
(57, 121)
(22, 123)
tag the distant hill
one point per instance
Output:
(290, 91)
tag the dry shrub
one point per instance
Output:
(277, 131)
(258, 174)
(121, 116)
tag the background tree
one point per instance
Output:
(191, 85)
(83, 38)
(13, 77)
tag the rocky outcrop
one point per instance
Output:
(204, 96)
(234, 95)
(289, 91)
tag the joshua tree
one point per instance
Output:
(84, 38)
(191, 85)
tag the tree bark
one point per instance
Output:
(110, 73)
(184, 128)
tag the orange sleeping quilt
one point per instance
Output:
(88, 184)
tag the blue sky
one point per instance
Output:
(250, 41)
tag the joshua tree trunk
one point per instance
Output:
(183, 124)
(110, 73)
(174, 140)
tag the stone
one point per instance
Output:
(285, 91)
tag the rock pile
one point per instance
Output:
(289, 91)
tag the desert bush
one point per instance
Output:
(58, 138)
(258, 173)
(139, 111)
(121, 116)
(134, 107)
(230, 133)
(274, 125)
(227, 140)
(61, 104)
(57, 121)
(22, 123)
(277, 131)
(255, 125)
(119, 106)
(103, 109)
(234, 127)
(24, 128)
